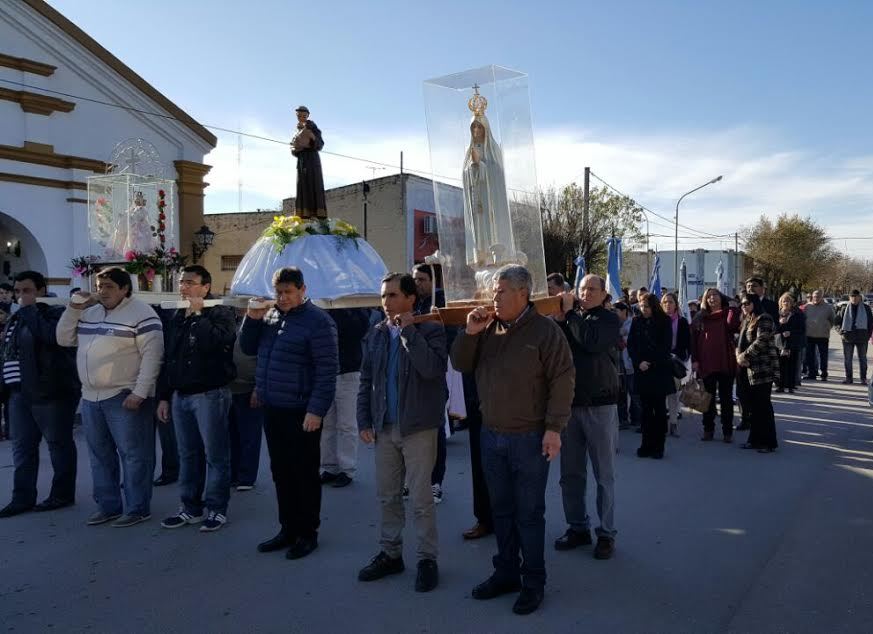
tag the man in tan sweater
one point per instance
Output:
(525, 377)
(120, 347)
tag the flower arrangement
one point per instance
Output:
(286, 229)
(139, 263)
(159, 230)
(84, 265)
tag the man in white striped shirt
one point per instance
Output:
(121, 344)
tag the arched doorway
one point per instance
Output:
(19, 249)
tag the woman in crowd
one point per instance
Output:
(680, 349)
(791, 329)
(713, 359)
(649, 345)
(758, 359)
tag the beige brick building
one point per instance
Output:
(392, 215)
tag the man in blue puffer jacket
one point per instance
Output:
(295, 382)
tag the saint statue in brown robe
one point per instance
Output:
(305, 145)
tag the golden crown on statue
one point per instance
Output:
(477, 103)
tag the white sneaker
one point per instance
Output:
(437, 493)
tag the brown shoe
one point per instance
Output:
(478, 531)
(605, 548)
(708, 436)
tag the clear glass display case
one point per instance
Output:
(485, 180)
(129, 212)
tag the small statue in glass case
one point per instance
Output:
(133, 230)
(305, 145)
(486, 206)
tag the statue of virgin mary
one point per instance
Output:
(486, 206)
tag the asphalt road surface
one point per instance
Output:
(711, 539)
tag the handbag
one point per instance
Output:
(678, 367)
(695, 396)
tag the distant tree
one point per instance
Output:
(565, 235)
(789, 253)
(844, 274)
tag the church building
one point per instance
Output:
(51, 139)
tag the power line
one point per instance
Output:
(654, 213)
(219, 128)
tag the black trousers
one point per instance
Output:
(814, 364)
(788, 370)
(654, 422)
(481, 499)
(295, 458)
(743, 396)
(169, 449)
(721, 386)
(763, 431)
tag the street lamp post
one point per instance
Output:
(676, 243)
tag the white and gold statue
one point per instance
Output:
(486, 206)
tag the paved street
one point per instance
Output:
(711, 539)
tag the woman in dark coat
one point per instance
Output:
(791, 330)
(681, 349)
(758, 359)
(649, 344)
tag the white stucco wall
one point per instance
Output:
(59, 227)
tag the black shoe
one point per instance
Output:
(643, 453)
(605, 548)
(13, 509)
(528, 601)
(428, 576)
(164, 480)
(493, 587)
(327, 477)
(50, 504)
(340, 481)
(302, 547)
(573, 539)
(780, 390)
(280, 541)
(824, 378)
(847, 381)
(658, 454)
(381, 566)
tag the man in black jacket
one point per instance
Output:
(755, 286)
(594, 336)
(43, 388)
(198, 366)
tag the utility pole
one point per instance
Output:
(586, 234)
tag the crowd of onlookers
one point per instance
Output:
(210, 380)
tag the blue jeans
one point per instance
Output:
(114, 433)
(246, 429)
(29, 423)
(516, 473)
(201, 422)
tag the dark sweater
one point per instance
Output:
(594, 336)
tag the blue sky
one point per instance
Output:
(657, 97)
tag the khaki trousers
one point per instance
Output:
(410, 458)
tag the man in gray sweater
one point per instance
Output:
(819, 321)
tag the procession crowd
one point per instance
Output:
(209, 380)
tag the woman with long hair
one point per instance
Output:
(680, 349)
(713, 358)
(791, 329)
(649, 344)
(758, 359)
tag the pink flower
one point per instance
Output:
(150, 274)
(130, 256)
